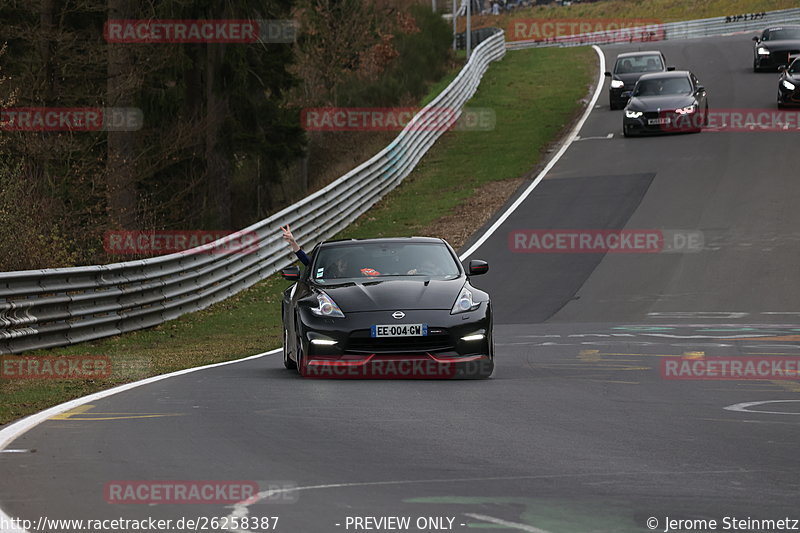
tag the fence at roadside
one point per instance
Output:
(710, 27)
(56, 307)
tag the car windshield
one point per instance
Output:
(361, 261)
(663, 87)
(648, 63)
(780, 34)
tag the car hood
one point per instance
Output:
(396, 294)
(780, 46)
(655, 103)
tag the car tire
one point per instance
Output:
(287, 361)
(484, 371)
(302, 363)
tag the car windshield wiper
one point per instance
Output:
(332, 283)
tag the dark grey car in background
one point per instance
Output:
(666, 102)
(627, 70)
(776, 46)
(789, 85)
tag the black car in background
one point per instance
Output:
(387, 308)
(776, 46)
(627, 70)
(666, 102)
(789, 85)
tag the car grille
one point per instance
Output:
(652, 114)
(361, 342)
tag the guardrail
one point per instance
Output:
(691, 29)
(56, 307)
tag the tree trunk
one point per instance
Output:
(218, 170)
(120, 172)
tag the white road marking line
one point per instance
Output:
(744, 407)
(16, 451)
(598, 137)
(241, 509)
(513, 207)
(506, 523)
(17, 429)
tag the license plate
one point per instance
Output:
(653, 121)
(399, 330)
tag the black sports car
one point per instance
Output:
(387, 308)
(778, 45)
(789, 85)
(667, 102)
(627, 70)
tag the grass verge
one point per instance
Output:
(534, 94)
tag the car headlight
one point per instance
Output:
(763, 51)
(686, 110)
(327, 307)
(464, 302)
(616, 84)
(632, 114)
(787, 84)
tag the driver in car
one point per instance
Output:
(339, 267)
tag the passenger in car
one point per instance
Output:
(289, 238)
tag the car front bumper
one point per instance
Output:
(348, 350)
(676, 123)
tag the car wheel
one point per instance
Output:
(287, 361)
(484, 370)
(302, 361)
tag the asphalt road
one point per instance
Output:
(577, 431)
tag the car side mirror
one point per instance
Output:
(783, 67)
(756, 39)
(608, 74)
(670, 69)
(478, 267)
(291, 273)
(701, 89)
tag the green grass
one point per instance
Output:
(534, 94)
